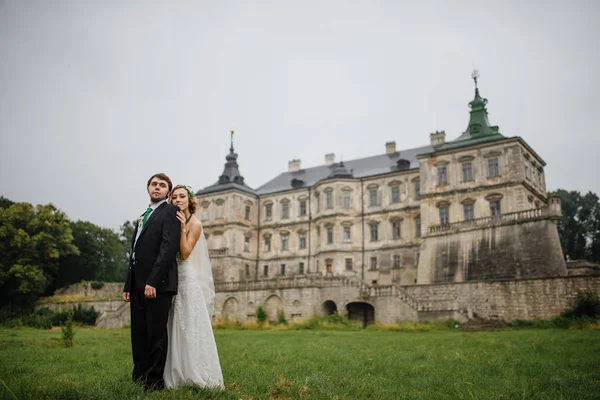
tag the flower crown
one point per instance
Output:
(189, 190)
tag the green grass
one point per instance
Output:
(316, 364)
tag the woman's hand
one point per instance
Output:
(181, 218)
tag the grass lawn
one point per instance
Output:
(317, 364)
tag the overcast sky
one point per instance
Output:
(96, 96)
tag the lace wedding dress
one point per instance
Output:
(192, 353)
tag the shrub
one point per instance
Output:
(586, 304)
(67, 331)
(261, 315)
(336, 318)
(281, 318)
(97, 285)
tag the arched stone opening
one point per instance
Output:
(273, 307)
(231, 309)
(361, 311)
(329, 307)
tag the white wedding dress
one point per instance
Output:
(192, 353)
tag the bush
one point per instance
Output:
(261, 315)
(281, 319)
(336, 318)
(44, 318)
(67, 330)
(97, 285)
(586, 304)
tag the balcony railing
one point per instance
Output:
(285, 283)
(486, 221)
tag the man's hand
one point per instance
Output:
(150, 292)
(127, 297)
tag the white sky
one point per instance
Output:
(96, 96)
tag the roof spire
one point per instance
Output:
(231, 148)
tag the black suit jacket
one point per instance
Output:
(155, 252)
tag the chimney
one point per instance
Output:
(294, 166)
(390, 147)
(438, 138)
(329, 159)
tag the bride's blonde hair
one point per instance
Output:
(193, 203)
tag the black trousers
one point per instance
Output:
(149, 339)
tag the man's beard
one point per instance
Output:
(156, 200)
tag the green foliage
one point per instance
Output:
(5, 203)
(67, 331)
(44, 318)
(32, 239)
(261, 315)
(125, 236)
(281, 318)
(587, 304)
(101, 256)
(579, 226)
(97, 285)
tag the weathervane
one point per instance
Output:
(475, 75)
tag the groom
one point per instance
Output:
(152, 282)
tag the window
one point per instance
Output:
(348, 264)
(442, 176)
(444, 216)
(302, 240)
(330, 235)
(282, 269)
(247, 271)
(267, 243)
(397, 261)
(329, 197)
(266, 270)
(373, 262)
(247, 243)
(396, 194)
(396, 230)
(493, 170)
(284, 242)
(204, 214)
(301, 268)
(285, 210)
(303, 208)
(373, 197)
(468, 209)
(268, 211)
(495, 208)
(318, 202)
(346, 200)
(347, 235)
(374, 233)
(418, 226)
(248, 212)
(318, 234)
(417, 191)
(527, 171)
(467, 171)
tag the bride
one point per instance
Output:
(192, 352)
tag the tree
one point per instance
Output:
(101, 256)
(127, 230)
(5, 203)
(32, 239)
(579, 227)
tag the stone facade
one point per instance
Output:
(471, 209)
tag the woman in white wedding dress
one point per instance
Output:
(192, 356)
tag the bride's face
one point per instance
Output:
(180, 199)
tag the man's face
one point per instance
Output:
(158, 190)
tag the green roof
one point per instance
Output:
(479, 129)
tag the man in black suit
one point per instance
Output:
(152, 282)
